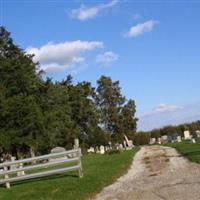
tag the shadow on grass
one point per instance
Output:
(41, 179)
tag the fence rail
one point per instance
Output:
(49, 160)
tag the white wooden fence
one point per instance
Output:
(9, 174)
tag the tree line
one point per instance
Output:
(141, 138)
(37, 114)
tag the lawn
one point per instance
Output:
(191, 151)
(99, 171)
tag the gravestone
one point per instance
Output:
(159, 140)
(58, 150)
(102, 149)
(152, 141)
(198, 133)
(187, 135)
(179, 139)
(91, 150)
(121, 147)
(193, 141)
(164, 138)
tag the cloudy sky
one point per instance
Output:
(152, 47)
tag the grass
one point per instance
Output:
(191, 151)
(99, 171)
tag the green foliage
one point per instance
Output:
(179, 129)
(142, 138)
(38, 114)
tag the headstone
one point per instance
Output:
(21, 173)
(102, 149)
(91, 150)
(97, 150)
(76, 143)
(179, 139)
(58, 150)
(187, 135)
(121, 147)
(198, 133)
(159, 140)
(193, 141)
(164, 138)
(152, 141)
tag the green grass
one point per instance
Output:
(99, 171)
(191, 151)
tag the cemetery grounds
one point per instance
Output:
(99, 171)
(159, 173)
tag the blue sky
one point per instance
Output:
(151, 47)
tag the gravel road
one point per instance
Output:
(157, 173)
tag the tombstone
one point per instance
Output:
(179, 139)
(152, 141)
(58, 150)
(193, 141)
(21, 173)
(164, 139)
(91, 150)
(159, 140)
(76, 143)
(102, 149)
(187, 135)
(198, 133)
(174, 137)
(129, 143)
(97, 150)
(121, 147)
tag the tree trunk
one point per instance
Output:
(32, 153)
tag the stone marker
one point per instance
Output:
(179, 139)
(159, 140)
(102, 149)
(152, 141)
(187, 135)
(58, 150)
(198, 133)
(121, 147)
(91, 150)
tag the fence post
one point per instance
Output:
(80, 171)
(6, 177)
(76, 146)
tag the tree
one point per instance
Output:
(109, 102)
(21, 112)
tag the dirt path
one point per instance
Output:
(157, 173)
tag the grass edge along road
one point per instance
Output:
(99, 171)
(190, 151)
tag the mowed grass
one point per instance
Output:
(99, 171)
(191, 151)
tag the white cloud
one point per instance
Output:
(166, 108)
(60, 56)
(169, 115)
(84, 13)
(106, 58)
(141, 28)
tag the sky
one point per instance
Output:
(152, 47)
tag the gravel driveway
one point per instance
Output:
(157, 173)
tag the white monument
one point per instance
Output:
(102, 149)
(152, 141)
(91, 150)
(187, 135)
